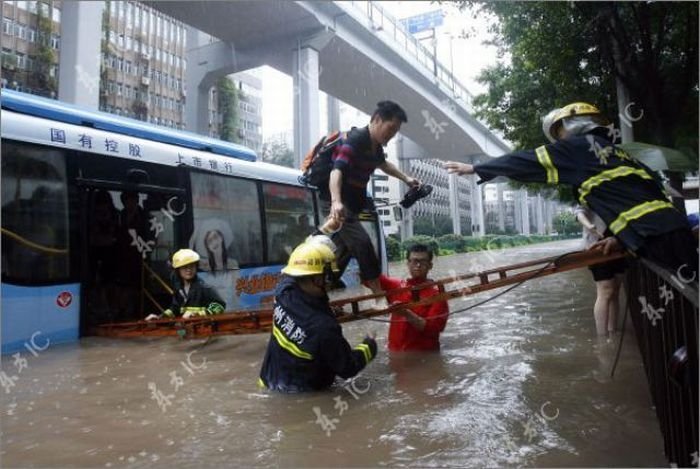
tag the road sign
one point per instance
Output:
(423, 22)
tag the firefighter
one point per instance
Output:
(192, 297)
(626, 194)
(307, 349)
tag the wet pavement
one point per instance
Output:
(520, 381)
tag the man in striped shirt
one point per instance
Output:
(354, 161)
(624, 193)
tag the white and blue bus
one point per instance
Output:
(93, 206)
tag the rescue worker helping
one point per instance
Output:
(623, 192)
(307, 349)
(417, 327)
(192, 297)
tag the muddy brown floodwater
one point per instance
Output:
(521, 380)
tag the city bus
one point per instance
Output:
(94, 205)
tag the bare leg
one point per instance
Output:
(601, 309)
(614, 306)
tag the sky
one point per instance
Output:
(468, 57)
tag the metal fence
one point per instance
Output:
(664, 309)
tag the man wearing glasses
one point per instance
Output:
(418, 327)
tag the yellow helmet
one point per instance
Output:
(184, 257)
(310, 258)
(556, 116)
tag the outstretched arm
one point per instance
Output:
(391, 169)
(461, 169)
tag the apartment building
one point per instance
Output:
(143, 64)
(249, 96)
(31, 46)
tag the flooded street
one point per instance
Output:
(521, 380)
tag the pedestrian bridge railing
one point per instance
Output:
(381, 21)
(664, 309)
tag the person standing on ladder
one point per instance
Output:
(623, 192)
(345, 196)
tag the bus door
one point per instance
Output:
(129, 232)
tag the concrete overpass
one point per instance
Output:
(352, 51)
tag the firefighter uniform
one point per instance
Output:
(307, 348)
(620, 190)
(200, 300)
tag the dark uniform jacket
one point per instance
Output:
(307, 348)
(619, 189)
(200, 300)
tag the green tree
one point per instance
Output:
(430, 225)
(228, 108)
(277, 153)
(565, 223)
(575, 51)
(44, 58)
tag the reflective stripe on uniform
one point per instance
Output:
(546, 161)
(261, 383)
(193, 310)
(364, 348)
(636, 212)
(609, 175)
(288, 345)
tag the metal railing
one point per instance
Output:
(664, 309)
(381, 21)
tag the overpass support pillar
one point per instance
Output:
(405, 149)
(501, 208)
(539, 214)
(525, 211)
(79, 73)
(306, 101)
(206, 63)
(477, 208)
(453, 189)
(333, 108)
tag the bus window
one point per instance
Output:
(226, 214)
(34, 214)
(289, 212)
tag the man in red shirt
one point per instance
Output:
(419, 327)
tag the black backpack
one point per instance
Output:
(318, 162)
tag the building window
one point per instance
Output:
(7, 26)
(31, 34)
(21, 30)
(56, 15)
(55, 42)
(129, 16)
